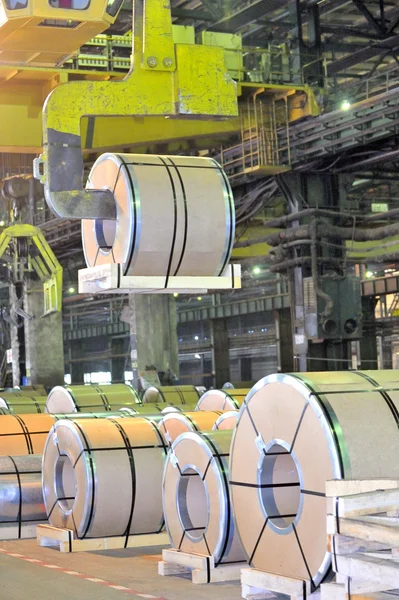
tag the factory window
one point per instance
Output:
(70, 4)
(113, 7)
(67, 379)
(16, 4)
(59, 23)
(98, 377)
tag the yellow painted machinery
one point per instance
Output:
(25, 250)
(167, 79)
(47, 32)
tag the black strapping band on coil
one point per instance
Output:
(183, 189)
(181, 396)
(208, 569)
(93, 480)
(165, 449)
(330, 422)
(193, 423)
(298, 426)
(231, 205)
(69, 540)
(262, 486)
(390, 403)
(132, 473)
(312, 585)
(133, 246)
(225, 480)
(172, 249)
(258, 541)
(246, 407)
(20, 497)
(26, 433)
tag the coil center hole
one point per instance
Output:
(65, 482)
(193, 504)
(280, 494)
(105, 230)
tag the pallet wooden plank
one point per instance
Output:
(367, 504)
(66, 541)
(202, 568)
(220, 573)
(190, 561)
(342, 544)
(369, 569)
(332, 591)
(103, 278)
(274, 583)
(369, 531)
(350, 487)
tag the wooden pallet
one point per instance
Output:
(66, 541)
(259, 585)
(109, 278)
(363, 537)
(202, 568)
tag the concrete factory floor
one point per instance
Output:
(29, 572)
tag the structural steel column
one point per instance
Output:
(368, 343)
(153, 333)
(285, 350)
(44, 347)
(220, 352)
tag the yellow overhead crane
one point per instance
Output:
(37, 35)
(44, 33)
(24, 248)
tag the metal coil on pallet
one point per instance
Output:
(228, 420)
(196, 500)
(84, 460)
(174, 216)
(174, 424)
(294, 432)
(172, 395)
(91, 398)
(21, 497)
(222, 400)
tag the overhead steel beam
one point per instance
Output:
(246, 15)
(355, 58)
(369, 16)
(197, 15)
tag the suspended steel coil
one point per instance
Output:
(172, 395)
(295, 432)
(174, 216)
(196, 499)
(228, 420)
(174, 424)
(21, 497)
(91, 398)
(103, 477)
(222, 400)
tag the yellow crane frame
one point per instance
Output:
(46, 265)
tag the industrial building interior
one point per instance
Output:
(199, 287)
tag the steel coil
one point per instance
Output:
(174, 424)
(21, 497)
(103, 477)
(24, 434)
(295, 432)
(172, 395)
(174, 216)
(91, 398)
(196, 499)
(222, 400)
(22, 403)
(228, 420)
